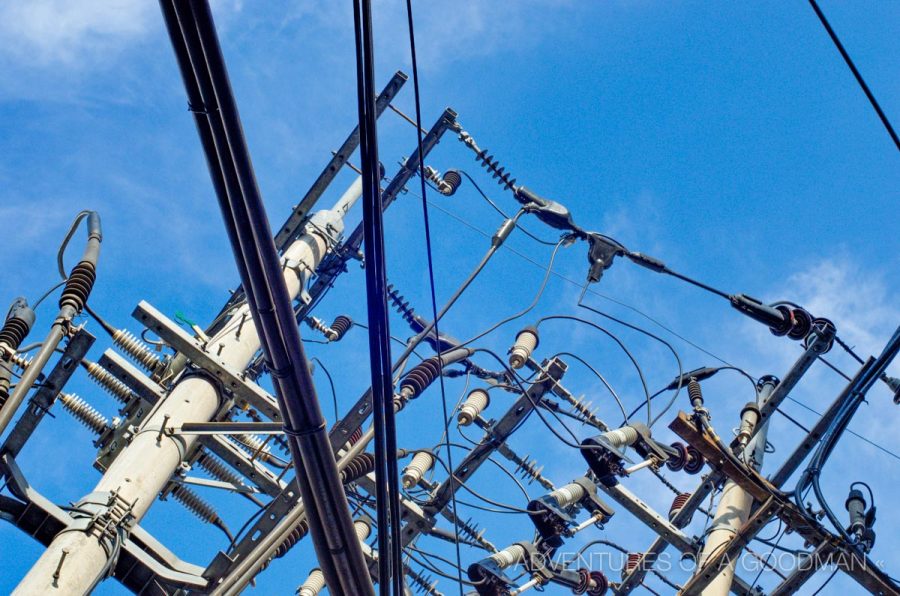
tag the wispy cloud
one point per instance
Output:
(57, 32)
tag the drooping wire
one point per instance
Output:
(434, 308)
(856, 73)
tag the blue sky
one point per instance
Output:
(728, 140)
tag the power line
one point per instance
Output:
(856, 73)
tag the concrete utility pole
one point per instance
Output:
(734, 505)
(78, 559)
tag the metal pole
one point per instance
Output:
(734, 506)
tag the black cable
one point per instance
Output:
(602, 380)
(833, 573)
(387, 482)
(501, 212)
(331, 384)
(434, 308)
(856, 74)
(612, 336)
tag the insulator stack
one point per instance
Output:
(218, 470)
(341, 325)
(401, 305)
(621, 437)
(526, 341)
(631, 562)
(529, 470)
(254, 445)
(355, 436)
(425, 584)
(314, 584)
(695, 393)
(476, 402)
(509, 556)
(568, 494)
(196, 505)
(446, 184)
(356, 468)
(677, 505)
(297, 534)
(593, 583)
(488, 162)
(78, 286)
(420, 377)
(695, 460)
(420, 464)
(583, 407)
(84, 412)
(319, 325)
(17, 325)
(472, 531)
(108, 382)
(363, 529)
(136, 349)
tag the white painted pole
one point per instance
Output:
(732, 512)
(148, 462)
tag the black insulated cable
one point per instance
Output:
(387, 495)
(856, 73)
(434, 308)
(200, 59)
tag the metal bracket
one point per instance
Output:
(244, 392)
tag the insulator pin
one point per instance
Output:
(476, 402)
(420, 464)
(526, 341)
(84, 412)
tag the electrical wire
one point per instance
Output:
(612, 336)
(602, 380)
(856, 74)
(434, 308)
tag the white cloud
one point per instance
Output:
(50, 32)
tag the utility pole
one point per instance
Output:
(735, 503)
(77, 560)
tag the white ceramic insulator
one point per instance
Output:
(509, 556)
(314, 584)
(568, 494)
(138, 350)
(622, 437)
(521, 351)
(363, 529)
(84, 412)
(111, 384)
(420, 464)
(473, 406)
